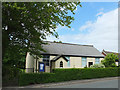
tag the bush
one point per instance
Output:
(10, 75)
(109, 60)
(10, 72)
(86, 73)
(60, 75)
(97, 66)
(34, 78)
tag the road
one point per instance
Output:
(94, 84)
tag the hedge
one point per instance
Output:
(86, 73)
(35, 78)
(10, 75)
(60, 75)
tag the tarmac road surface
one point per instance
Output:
(113, 83)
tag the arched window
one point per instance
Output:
(61, 64)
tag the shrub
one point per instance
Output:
(86, 73)
(10, 75)
(86, 66)
(109, 60)
(60, 75)
(10, 72)
(34, 78)
(97, 66)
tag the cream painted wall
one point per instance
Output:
(51, 57)
(75, 62)
(47, 69)
(57, 63)
(101, 59)
(35, 65)
(90, 60)
(93, 60)
(29, 63)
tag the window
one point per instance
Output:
(84, 61)
(97, 60)
(46, 59)
(68, 61)
(61, 64)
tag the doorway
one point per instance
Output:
(90, 63)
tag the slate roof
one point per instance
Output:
(68, 49)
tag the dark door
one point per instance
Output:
(41, 67)
(90, 63)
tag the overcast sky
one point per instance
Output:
(95, 24)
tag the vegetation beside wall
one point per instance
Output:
(60, 75)
(35, 78)
(100, 65)
(10, 75)
(110, 60)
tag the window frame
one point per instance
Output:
(84, 60)
(61, 63)
(97, 60)
(46, 60)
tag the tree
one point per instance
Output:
(26, 25)
(109, 60)
(57, 41)
(14, 58)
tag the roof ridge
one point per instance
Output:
(69, 43)
(110, 51)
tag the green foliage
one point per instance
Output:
(86, 66)
(57, 41)
(10, 75)
(14, 58)
(60, 75)
(10, 72)
(85, 73)
(35, 78)
(109, 60)
(25, 25)
(97, 66)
